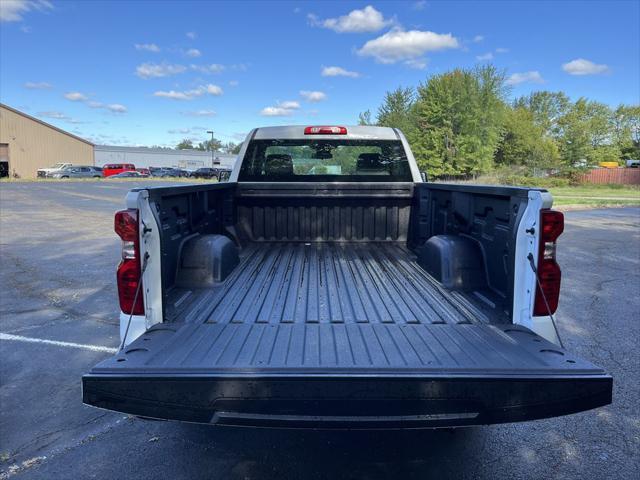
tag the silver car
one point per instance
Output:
(77, 171)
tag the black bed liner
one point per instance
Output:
(329, 321)
(345, 376)
(376, 282)
(336, 349)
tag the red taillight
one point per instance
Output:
(325, 130)
(126, 224)
(549, 274)
(129, 272)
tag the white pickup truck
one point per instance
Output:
(47, 172)
(328, 285)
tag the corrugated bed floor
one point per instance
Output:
(331, 348)
(328, 283)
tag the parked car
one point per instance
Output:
(77, 171)
(44, 172)
(177, 172)
(608, 165)
(168, 172)
(144, 171)
(364, 299)
(111, 169)
(632, 163)
(129, 174)
(205, 172)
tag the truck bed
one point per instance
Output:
(329, 321)
(337, 283)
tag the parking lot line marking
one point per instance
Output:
(20, 338)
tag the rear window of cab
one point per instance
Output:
(315, 160)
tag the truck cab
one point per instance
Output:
(326, 285)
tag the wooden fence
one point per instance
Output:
(625, 176)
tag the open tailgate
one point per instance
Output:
(353, 376)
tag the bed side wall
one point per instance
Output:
(487, 215)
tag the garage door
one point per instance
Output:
(4, 160)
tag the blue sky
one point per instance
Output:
(143, 73)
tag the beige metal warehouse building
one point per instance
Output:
(27, 144)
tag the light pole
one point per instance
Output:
(211, 147)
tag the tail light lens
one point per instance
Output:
(549, 274)
(129, 271)
(325, 130)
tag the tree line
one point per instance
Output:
(462, 122)
(210, 145)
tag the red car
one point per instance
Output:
(115, 168)
(144, 171)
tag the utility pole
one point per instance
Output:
(211, 147)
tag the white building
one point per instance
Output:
(143, 157)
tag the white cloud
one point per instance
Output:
(281, 109)
(200, 113)
(289, 104)
(416, 63)
(478, 39)
(313, 96)
(181, 131)
(212, 68)
(147, 47)
(193, 52)
(174, 95)
(401, 45)
(112, 107)
(485, 56)
(338, 72)
(199, 91)
(60, 116)
(38, 85)
(54, 115)
(25, 29)
(502, 50)
(116, 108)
(419, 5)
(357, 21)
(76, 96)
(580, 66)
(525, 77)
(154, 70)
(276, 112)
(234, 83)
(211, 89)
(13, 10)
(191, 35)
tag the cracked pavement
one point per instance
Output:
(58, 255)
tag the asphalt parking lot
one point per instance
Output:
(57, 279)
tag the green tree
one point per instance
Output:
(234, 148)
(209, 145)
(626, 130)
(185, 144)
(396, 109)
(587, 133)
(524, 142)
(547, 109)
(364, 118)
(458, 121)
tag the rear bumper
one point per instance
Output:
(346, 402)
